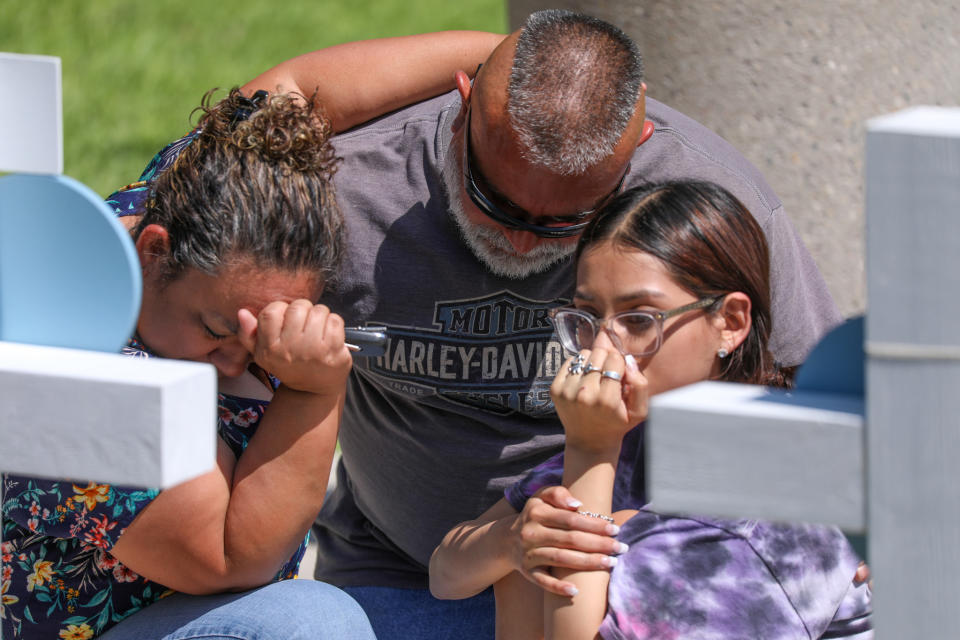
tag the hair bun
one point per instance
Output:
(285, 129)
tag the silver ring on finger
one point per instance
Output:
(589, 368)
(612, 375)
(576, 366)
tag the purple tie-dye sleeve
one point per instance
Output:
(628, 488)
(547, 474)
(705, 579)
(700, 578)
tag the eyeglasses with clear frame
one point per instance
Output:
(559, 227)
(636, 333)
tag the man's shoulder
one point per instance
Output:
(668, 120)
(682, 148)
(392, 165)
(424, 117)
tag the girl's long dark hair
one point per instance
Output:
(711, 245)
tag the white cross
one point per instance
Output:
(888, 466)
(69, 277)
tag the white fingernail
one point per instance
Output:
(573, 503)
(622, 547)
(571, 590)
(612, 529)
(610, 561)
(631, 362)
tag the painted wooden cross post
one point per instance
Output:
(70, 405)
(739, 451)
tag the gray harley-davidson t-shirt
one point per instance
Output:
(458, 406)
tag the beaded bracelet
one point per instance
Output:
(596, 515)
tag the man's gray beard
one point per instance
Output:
(489, 245)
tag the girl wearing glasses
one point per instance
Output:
(672, 289)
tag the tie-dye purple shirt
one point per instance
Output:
(703, 578)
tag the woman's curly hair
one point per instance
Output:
(255, 183)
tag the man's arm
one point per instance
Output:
(358, 81)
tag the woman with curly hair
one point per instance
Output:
(237, 237)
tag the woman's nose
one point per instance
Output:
(606, 340)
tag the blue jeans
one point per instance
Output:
(414, 614)
(288, 610)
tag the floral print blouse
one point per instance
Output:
(59, 581)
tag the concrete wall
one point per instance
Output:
(790, 84)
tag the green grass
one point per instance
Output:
(133, 71)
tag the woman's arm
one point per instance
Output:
(358, 81)
(234, 527)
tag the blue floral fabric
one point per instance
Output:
(130, 200)
(701, 578)
(59, 580)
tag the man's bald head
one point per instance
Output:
(572, 91)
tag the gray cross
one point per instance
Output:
(886, 464)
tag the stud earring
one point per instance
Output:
(722, 353)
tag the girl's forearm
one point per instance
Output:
(590, 476)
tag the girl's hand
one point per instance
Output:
(550, 533)
(597, 409)
(300, 343)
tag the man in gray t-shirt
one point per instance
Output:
(462, 213)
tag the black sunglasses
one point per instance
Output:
(561, 227)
